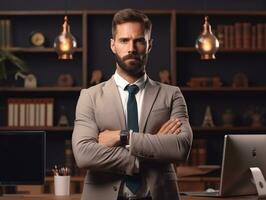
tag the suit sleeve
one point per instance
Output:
(87, 151)
(166, 148)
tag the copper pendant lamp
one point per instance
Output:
(65, 43)
(207, 44)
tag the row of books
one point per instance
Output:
(242, 35)
(5, 33)
(198, 154)
(35, 112)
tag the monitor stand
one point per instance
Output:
(259, 182)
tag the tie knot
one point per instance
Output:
(132, 89)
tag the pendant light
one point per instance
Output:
(65, 43)
(207, 44)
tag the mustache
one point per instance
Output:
(131, 56)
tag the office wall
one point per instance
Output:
(145, 4)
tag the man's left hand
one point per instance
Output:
(109, 138)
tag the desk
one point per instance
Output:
(40, 197)
(191, 183)
(77, 197)
(219, 198)
(198, 183)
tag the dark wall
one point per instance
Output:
(144, 4)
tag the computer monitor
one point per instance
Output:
(22, 157)
(241, 152)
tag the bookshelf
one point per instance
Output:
(230, 60)
(43, 63)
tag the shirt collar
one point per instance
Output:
(122, 83)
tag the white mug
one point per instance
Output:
(62, 185)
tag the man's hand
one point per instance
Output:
(109, 138)
(172, 126)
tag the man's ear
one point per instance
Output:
(150, 45)
(112, 45)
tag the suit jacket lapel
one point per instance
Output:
(151, 92)
(114, 101)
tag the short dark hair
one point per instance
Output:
(130, 15)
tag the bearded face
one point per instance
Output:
(133, 65)
(131, 46)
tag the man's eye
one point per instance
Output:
(141, 41)
(123, 41)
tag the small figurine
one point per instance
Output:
(96, 77)
(199, 81)
(240, 80)
(165, 76)
(30, 80)
(65, 80)
(228, 118)
(255, 116)
(216, 82)
(208, 120)
(63, 120)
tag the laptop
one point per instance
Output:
(240, 153)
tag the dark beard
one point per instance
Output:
(135, 68)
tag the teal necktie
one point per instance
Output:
(132, 182)
(132, 109)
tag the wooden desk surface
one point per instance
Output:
(40, 197)
(77, 197)
(219, 198)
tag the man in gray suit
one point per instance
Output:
(130, 131)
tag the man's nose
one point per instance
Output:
(132, 48)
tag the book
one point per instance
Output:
(42, 113)
(10, 112)
(238, 35)
(22, 113)
(246, 35)
(260, 36)
(49, 112)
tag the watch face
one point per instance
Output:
(37, 39)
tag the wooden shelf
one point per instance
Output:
(35, 50)
(55, 128)
(242, 129)
(221, 12)
(73, 178)
(223, 50)
(223, 89)
(40, 89)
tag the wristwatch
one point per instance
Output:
(124, 135)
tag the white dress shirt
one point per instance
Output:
(121, 84)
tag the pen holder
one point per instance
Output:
(62, 185)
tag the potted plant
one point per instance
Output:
(10, 64)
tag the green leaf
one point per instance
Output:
(5, 57)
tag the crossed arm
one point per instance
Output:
(111, 138)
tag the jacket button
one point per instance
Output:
(115, 188)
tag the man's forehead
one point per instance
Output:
(131, 37)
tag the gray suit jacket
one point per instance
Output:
(100, 108)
